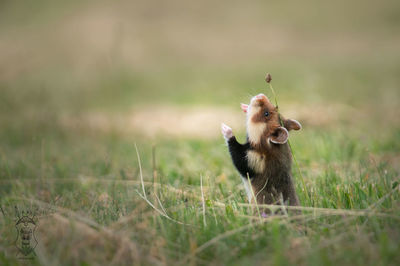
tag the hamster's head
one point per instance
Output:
(264, 123)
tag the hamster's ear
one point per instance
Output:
(280, 136)
(244, 107)
(290, 124)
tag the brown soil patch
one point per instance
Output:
(197, 122)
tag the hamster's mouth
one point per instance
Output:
(258, 98)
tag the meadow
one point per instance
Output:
(110, 127)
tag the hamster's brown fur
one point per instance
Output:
(266, 156)
(275, 180)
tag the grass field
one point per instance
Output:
(109, 127)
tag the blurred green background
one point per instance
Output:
(82, 81)
(67, 59)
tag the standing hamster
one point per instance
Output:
(265, 157)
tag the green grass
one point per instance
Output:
(94, 181)
(86, 182)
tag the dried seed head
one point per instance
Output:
(268, 78)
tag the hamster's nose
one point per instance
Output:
(260, 96)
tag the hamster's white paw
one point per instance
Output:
(226, 131)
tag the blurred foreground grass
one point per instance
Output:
(70, 60)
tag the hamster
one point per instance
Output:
(265, 158)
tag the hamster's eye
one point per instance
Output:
(266, 113)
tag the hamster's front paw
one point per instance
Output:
(226, 131)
